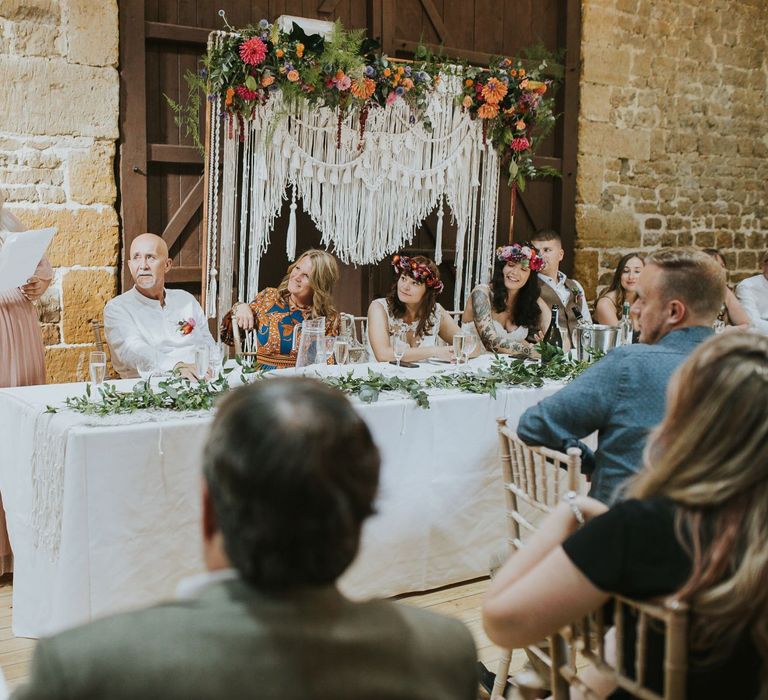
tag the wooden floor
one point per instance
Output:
(462, 601)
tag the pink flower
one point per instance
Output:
(391, 97)
(344, 84)
(186, 327)
(253, 51)
(521, 143)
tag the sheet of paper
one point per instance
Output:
(20, 255)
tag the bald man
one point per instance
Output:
(150, 325)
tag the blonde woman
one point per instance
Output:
(695, 526)
(305, 292)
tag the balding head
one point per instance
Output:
(149, 263)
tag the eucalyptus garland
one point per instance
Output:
(178, 394)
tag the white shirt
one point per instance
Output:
(753, 295)
(562, 291)
(137, 327)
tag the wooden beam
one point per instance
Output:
(436, 20)
(183, 274)
(172, 153)
(327, 7)
(133, 128)
(160, 31)
(192, 202)
(388, 26)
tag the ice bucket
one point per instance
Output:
(595, 337)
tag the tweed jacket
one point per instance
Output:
(622, 397)
(233, 642)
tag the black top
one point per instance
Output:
(632, 550)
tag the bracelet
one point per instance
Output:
(570, 499)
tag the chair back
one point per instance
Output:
(357, 324)
(246, 343)
(98, 334)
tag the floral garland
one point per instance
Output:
(346, 72)
(418, 271)
(527, 255)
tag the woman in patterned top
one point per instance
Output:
(305, 292)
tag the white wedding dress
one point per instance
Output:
(396, 324)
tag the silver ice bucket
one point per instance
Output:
(595, 337)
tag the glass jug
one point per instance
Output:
(311, 342)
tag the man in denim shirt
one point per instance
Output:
(623, 396)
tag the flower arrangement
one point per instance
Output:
(419, 271)
(186, 326)
(527, 255)
(515, 110)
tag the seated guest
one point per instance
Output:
(609, 307)
(290, 475)
(558, 289)
(411, 308)
(305, 292)
(753, 294)
(732, 314)
(150, 325)
(679, 293)
(509, 315)
(695, 527)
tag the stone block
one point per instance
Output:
(87, 237)
(51, 333)
(67, 364)
(92, 32)
(33, 38)
(608, 140)
(589, 179)
(68, 98)
(723, 239)
(748, 260)
(585, 266)
(84, 294)
(91, 176)
(704, 239)
(40, 10)
(594, 105)
(605, 65)
(653, 223)
(49, 305)
(599, 228)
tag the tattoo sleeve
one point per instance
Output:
(481, 304)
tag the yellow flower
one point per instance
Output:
(467, 101)
(494, 91)
(299, 50)
(293, 75)
(535, 86)
(488, 111)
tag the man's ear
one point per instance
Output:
(168, 264)
(210, 526)
(676, 312)
(562, 254)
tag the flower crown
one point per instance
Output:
(419, 271)
(527, 255)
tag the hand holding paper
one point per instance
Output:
(19, 256)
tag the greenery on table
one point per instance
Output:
(178, 394)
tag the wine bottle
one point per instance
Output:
(553, 335)
(625, 326)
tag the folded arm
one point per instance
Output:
(481, 313)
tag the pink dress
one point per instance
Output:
(21, 355)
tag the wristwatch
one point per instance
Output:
(570, 499)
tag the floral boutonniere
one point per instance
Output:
(186, 327)
(578, 295)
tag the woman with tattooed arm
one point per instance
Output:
(508, 315)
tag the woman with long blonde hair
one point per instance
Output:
(306, 291)
(695, 526)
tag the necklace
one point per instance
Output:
(293, 302)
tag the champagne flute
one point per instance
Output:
(399, 346)
(97, 367)
(459, 341)
(470, 343)
(146, 368)
(341, 350)
(202, 360)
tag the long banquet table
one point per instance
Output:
(103, 513)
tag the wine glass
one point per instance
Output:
(146, 368)
(399, 346)
(470, 343)
(459, 340)
(202, 360)
(341, 350)
(97, 367)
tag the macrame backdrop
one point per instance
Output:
(367, 197)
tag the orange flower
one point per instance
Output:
(536, 86)
(467, 101)
(339, 75)
(279, 53)
(299, 50)
(387, 72)
(520, 125)
(293, 75)
(230, 95)
(521, 72)
(267, 80)
(469, 82)
(363, 88)
(407, 83)
(488, 111)
(437, 79)
(400, 70)
(494, 91)
(524, 84)
(513, 73)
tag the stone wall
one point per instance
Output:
(59, 108)
(673, 135)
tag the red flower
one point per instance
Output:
(246, 94)
(253, 51)
(521, 143)
(186, 327)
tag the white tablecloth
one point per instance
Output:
(131, 500)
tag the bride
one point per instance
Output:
(411, 309)
(509, 316)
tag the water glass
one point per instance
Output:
(341, 350)
(146, 368)
(470, 343)
(97, 367)
(459, 340)
(399, 346)
(202, 360)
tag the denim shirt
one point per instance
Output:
(622, 397)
